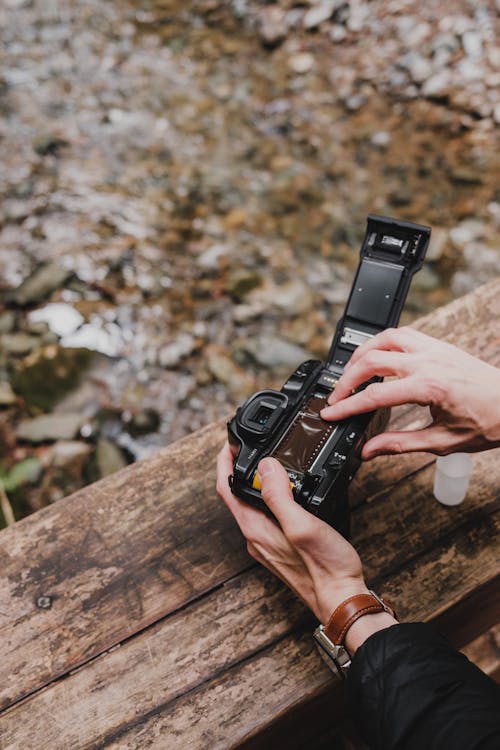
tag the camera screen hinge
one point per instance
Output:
(355, 337)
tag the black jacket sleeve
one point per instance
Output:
(408, 689)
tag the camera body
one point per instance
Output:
(322, 457)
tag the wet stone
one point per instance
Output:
(70, 455)
(18, 343)
(7, 322)
(50, 427)
(7, 395)
(241, 282)
(109, 457)
(171, 356)
(273, 352)
(40, 284)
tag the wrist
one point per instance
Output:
(335, 594)
(366, 626)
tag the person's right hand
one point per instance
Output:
(463, 393)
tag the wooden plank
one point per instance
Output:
(127, 551)
(243, 654)
(485, 652)
(114, 557)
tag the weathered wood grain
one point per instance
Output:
(153, 543)
(218, 672)
(485, 652)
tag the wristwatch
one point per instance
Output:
(330, 638)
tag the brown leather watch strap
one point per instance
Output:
(352, 609)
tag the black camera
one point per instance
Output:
(322, 457)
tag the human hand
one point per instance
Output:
(313, 559)
(461, 391)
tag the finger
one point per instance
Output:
(277, 494)
(404, 339)
(434, 439)
(376, 396)
(374, 363)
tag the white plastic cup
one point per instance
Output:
(451, 479)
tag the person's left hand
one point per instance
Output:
(308, 555)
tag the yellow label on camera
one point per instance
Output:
(257, 484)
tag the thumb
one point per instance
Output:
(276, 491)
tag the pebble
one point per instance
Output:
(241, 281)
(171, 356)
(272, 352)
(320, 12)
(18, 343)
(7, 395)
(50, 427)
(273, 26)
(437, 85)
(109, 457)
(210, 258)
(70, 455)
(472, 44)
(439, 240)
(301, 63)
(222, 367)
(44, 280)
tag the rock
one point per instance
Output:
(45, 279)
(18, 343)
(470, 70)
(381, 138)
(466, 175)
(49, 373)
(320, 12)
(467, 231)
(496, 113)
(25, 472)
(439, 238)
(472, 44)
(109, 458)
(171, 355)
(426, 279)
(272, 352)
(50, 427)
(241, 282)
(272, 26)
(143, 422)
(355, 102)
(210, 258)
(70, 455)
(301, 63)
(7, 322)
(225, 370)
(235, 218)
(420, 69)
(294, 297)
(7, 395)
(61, 318)
(37, 329)
(437, 85)
(49, 144)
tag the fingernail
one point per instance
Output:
(265, 467)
